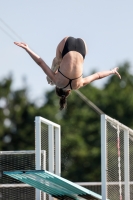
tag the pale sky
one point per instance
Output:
(105, 25)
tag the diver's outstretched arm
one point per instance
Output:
(38, 60)
(100, 75)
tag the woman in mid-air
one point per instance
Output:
(67, 67)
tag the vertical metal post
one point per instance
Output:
(38, 150)
(103, 156)
(51, 148)
(57, 152)
(126, 165)
(119, 161)
(51, 151)
(43, 152)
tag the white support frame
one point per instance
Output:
(38, 151)
(58, 151)
(127, 133)
(38, 143)
(126, 167)
(51, 148)
(103, 157)
(51, 142)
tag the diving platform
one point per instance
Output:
(53, 185)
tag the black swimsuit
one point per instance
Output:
(73, 44)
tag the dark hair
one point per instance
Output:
(63, 94)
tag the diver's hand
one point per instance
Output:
(49, 81)
(21, 44)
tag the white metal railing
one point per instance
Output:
(53, 147)
(116, 159)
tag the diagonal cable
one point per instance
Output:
(10, 30)
(90, 103)
(7, 34)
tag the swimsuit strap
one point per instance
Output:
(70, 80)
(67, 77)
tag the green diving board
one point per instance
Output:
(54, 185)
